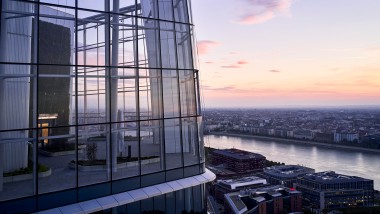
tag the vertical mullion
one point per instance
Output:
(76, 97)
(162, 87)
(35, 165)
(137, 84)
(108, 87)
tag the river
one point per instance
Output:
(362, 164)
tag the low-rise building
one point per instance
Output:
(285, 174)
(238, 161)
(232, 185)
(329, 190)
(272, 199)
(303, 134)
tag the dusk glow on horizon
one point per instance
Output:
(256, 53)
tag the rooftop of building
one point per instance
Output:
(241, 182)
(246, 199)
(239, 154)
(332, 177)
(287, 171)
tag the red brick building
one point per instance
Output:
(238, 161)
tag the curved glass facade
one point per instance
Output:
(97, 97)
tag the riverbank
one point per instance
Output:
(301, 142)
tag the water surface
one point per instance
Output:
(366, 165)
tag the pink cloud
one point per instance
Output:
(235, 65)
(242, 62)
(204, 46)
(263, 10)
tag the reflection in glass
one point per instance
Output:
(105, 92)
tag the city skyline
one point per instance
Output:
(254, 53)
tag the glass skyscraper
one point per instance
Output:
(100, 108)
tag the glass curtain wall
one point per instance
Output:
(94, 92)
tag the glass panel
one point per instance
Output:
(194, 48)
(95, 162)
(126, 6)
(18, 31)
(187, 93)
(189, 199)
(190, 141)
(167, 41)
(147, 205)
(150, 96)
(91, 38)
(197, 199)
(152, 148)
(179, 201)
(173, 144)
(149, 50)
(170, 93)
(165, 8)
(159, 204)
(55, 96)
(184, 52)
(125, 97)
(125, 146)
(149, 8)
(17, 165)
(201, 142)
(123, 53)
(170, 203)
(92, 4)
(56, 35)
(197, 93)
(17, 90)
(70, 3)
(134, 208)
(91, 96)
(57, 149)
(180, 11)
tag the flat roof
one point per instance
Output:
(288, 171)
(332, 177)
(241, 182)
(239, 154)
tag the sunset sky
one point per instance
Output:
(263, 53)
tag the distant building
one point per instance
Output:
(273, 199)
(232, 185)
(324, 137)
(329, 190)
(238, 160)
(286, 174)
(303, 134)
(348, 137)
